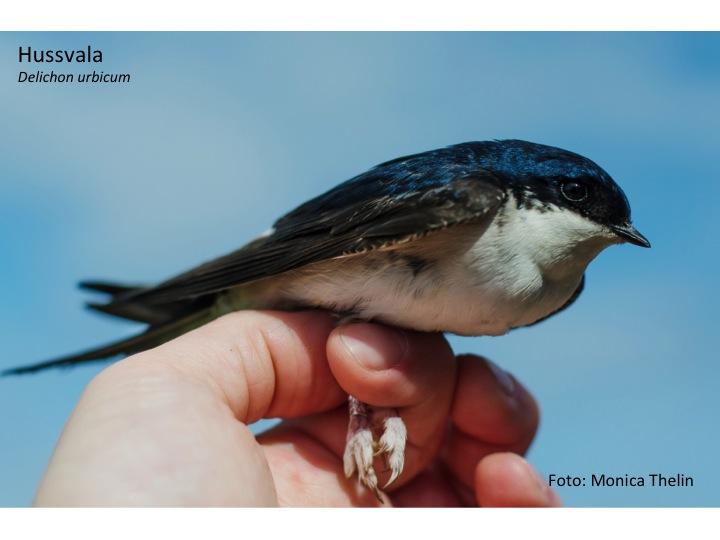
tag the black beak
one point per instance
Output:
(629, 233)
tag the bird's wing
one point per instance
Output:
(332, 226)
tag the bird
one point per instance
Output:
(477, 238)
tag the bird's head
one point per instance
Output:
(549, 179)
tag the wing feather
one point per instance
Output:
(303, 237)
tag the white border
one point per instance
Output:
(178, 524)
(361, 15)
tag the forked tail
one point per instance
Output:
(152, 337)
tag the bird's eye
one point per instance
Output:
(574, 191)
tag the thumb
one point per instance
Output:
(260, 363)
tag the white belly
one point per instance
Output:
(474, 283)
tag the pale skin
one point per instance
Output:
(169, 427)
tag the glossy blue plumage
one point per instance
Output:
(524, 167)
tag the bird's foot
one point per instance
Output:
(361, 448)
(392, 444)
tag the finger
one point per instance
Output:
(260, 363)
(491, 412)
(188, 394)
(430, 489)
(506, 479)
(388, 367)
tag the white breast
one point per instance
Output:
(480, 279)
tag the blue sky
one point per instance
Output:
(218, 134)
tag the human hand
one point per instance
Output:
(169, 426)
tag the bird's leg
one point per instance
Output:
(392, 441)
(360, 446)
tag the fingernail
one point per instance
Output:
(373, 346)
(504, 379)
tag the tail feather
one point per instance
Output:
(154, 315)
(113, 289)
(152, 337)
(137, 312)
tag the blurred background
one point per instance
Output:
(219, 134)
